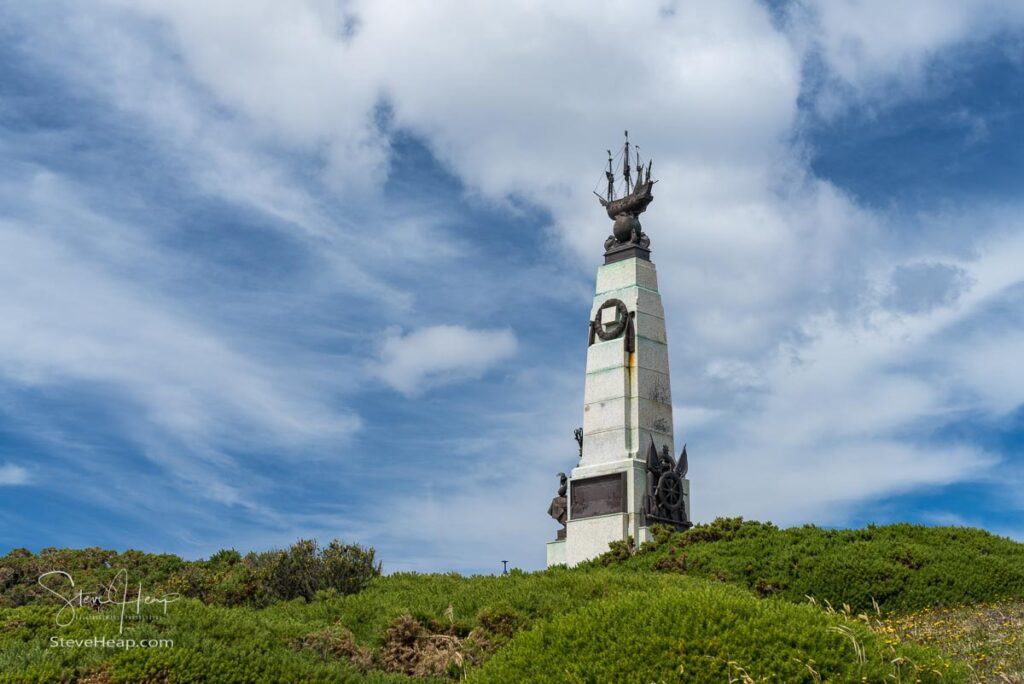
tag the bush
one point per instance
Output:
(336, 642)
(901, 567)
(296, 572)
(619, 551)
(347, 568)
(304, 569)
(438, 627)
(227, 578)
(642, 618)
(706, 633)
(224, 559)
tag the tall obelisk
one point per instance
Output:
(627, 478)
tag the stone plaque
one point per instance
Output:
(597, 496)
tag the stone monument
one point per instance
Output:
(626, 479)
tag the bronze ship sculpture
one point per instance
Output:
(627, 239)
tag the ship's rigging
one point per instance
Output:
(635, 195)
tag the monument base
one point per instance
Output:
(627, 433)
(626, 251)
(589, 537)
(556, 553)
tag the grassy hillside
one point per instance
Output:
(900, 567)
(643, 617)
(704, 632)
(597, 625)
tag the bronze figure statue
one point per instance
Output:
(559, 508)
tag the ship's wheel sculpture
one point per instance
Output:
(666, 488)
(670, 493)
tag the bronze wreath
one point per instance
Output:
(621, 317)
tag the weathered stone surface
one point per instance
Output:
(686, 488)
(604, 355)
(556, 553)
(652, 355)
(631, 412)
(587, 538)
(649, 354)
(596, 469)
(610, 383)
(626, 273)
(627, 402)
(613, 446)
(605, 446)
(605, 415)
(653, 416)
(654, 386)
(651, 327)
(641, 438)
(614, 383)
(635, 299)
(636, 484)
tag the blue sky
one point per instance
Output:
(323, 269)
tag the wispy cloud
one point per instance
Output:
(68, 317)
(847, 412)
(234, 282)
(440, 354)
(12, 474)
(878, 53)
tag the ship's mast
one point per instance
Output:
(610, 175)
(625, 165)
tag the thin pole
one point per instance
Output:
(610, 175)
(625, 165)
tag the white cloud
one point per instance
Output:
(785, 350)
(440, 354)
(518, 115)
(63, 318)
(711, 93)
(877, 51)
(13, 474)
(753, 249)
(836, 413)
(82, 310)
(483, 494)
(919, 287)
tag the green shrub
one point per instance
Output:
(437, 626)
(901, 567)
(258, 579)
(296, 572)
(347, 568)
(304, 569)
(224, 559)
(640, 619)
(706, 633)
